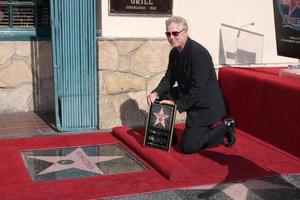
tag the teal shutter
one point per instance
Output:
(73, 24)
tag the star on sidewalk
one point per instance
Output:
(160, 118)
(76, 159)
(239, 191)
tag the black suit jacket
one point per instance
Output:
(199, 93)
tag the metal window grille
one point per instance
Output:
(24, 13)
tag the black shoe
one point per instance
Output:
(230, 133)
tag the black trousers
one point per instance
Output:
(196, 138)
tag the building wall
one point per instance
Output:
(206, 20)
(133, 54)
(25, 76)
(134, 51)
(129, 69)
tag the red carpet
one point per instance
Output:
(249, 158)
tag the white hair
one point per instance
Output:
(177, 20)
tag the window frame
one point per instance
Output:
(24, 33)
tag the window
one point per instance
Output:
(23, 18)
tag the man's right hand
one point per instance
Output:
(152, 97)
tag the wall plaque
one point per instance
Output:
(160, 124)
(141, 7)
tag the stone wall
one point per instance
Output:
(26, 80)
(129, 69)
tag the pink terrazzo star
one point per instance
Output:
(77, 159)
(239, 191)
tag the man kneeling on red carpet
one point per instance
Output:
(198, 92)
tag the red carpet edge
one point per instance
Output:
(170, 168)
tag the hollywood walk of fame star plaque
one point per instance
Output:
(160, 124)
(80, 162)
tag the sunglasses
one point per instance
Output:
(175, 33)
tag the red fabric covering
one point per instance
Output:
(153, 156)
(249, 158)
(264, 105)
(268, 70)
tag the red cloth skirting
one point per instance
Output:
(264, 105)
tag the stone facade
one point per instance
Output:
(129, 69)
(26, 80)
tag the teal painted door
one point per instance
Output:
(74, 62)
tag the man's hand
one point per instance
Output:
(170, 102)
(152, 97)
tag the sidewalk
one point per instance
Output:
(26, 124)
